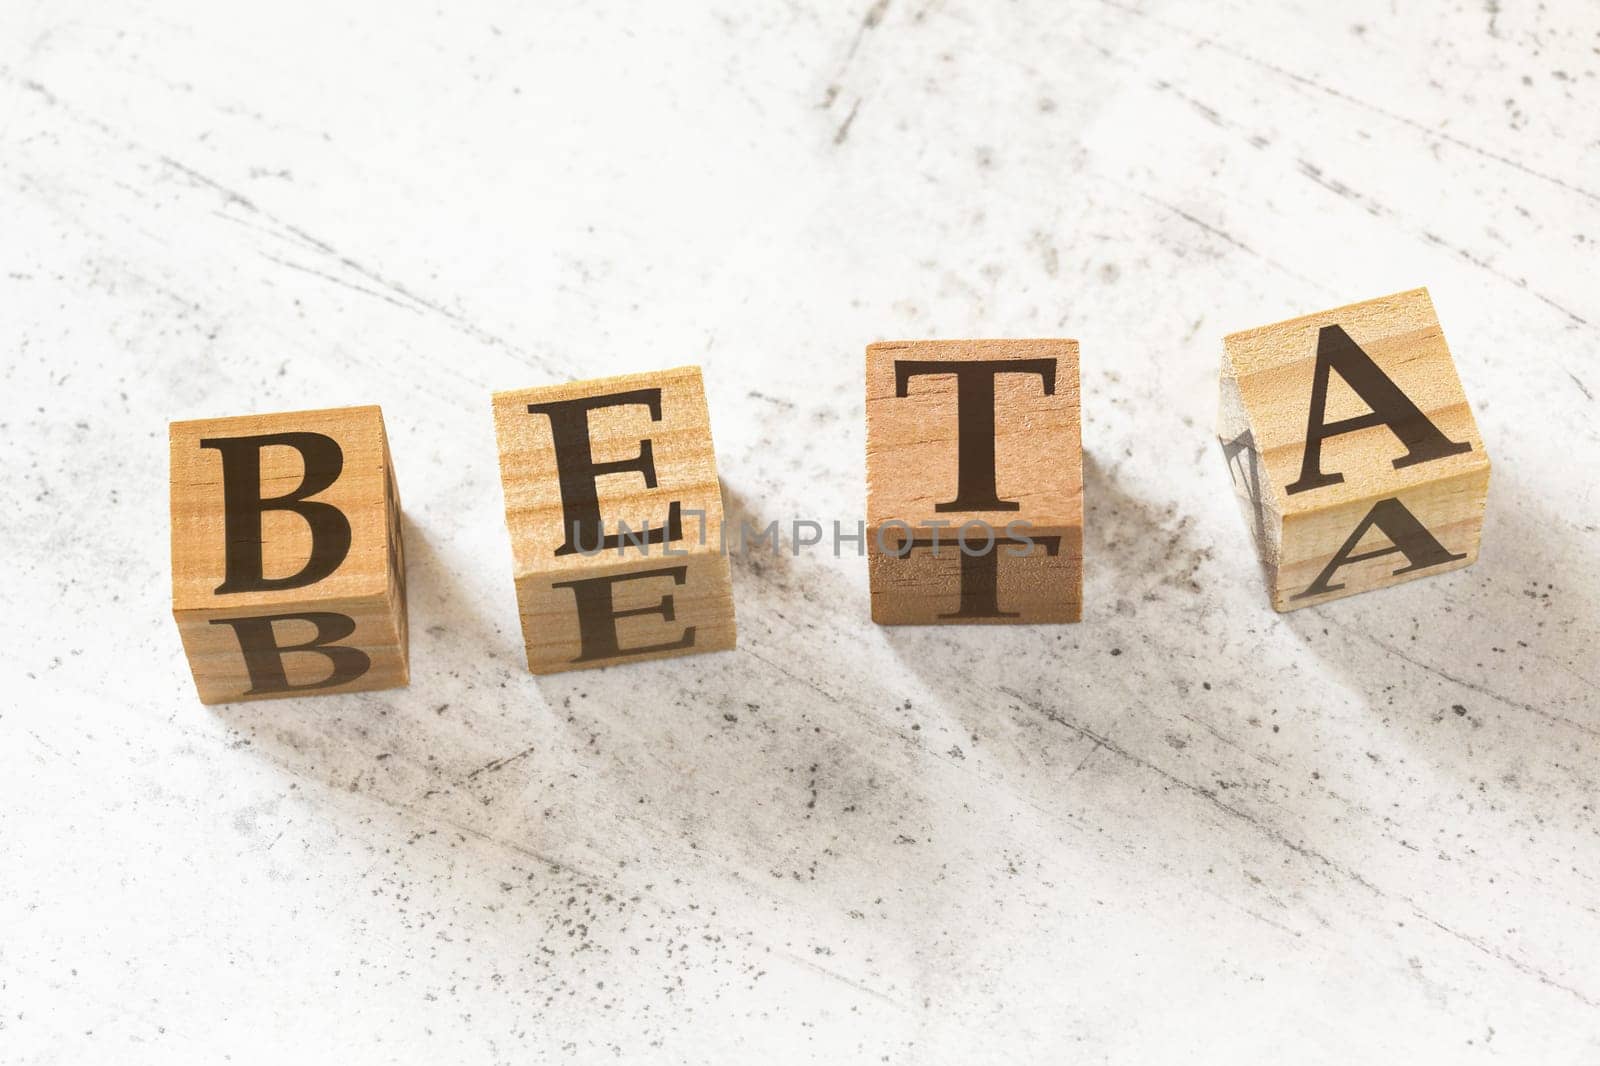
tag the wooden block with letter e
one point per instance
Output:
(974, 482)
(288, 572)
(615, 514)
(1352, 449)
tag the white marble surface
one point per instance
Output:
(1187, 830)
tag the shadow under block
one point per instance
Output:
(615, 515)
(1352, 449)
(983, 432)
(288, 570)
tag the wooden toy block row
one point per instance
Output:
(1352, 449)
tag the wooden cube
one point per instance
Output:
(1352, 449)
(288, 571)
(615, 514)
(981, 436)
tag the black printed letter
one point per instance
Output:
(975, 487)
(1406, 536)
(243, 507)
(580, 501)
(263, 655)
(597, 614)
(980, 573)
(1390, 407)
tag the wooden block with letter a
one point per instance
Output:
(1352, 449)
(288, 572)
(615, 514)
(974, 482)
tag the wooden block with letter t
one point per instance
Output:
(974, 482)
(1352, 449)
(615, 514)
(288, 572)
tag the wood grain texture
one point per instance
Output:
(666, 597)
(1268, 404)
(1022, 418)
(367, 587)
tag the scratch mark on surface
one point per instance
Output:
(792, 676)
(844, 127)
(1510, 960)
(234, 197)
(340, 281)
(496, 765)
(870, 21)
(1209, 795)
(1378, 210)
(1464, 683)
(841, 978)
(1094, 747)
(1235, 745)
(41, 742)
(1230, 238)
(603, 881)
(1570, 314)
(1357, 101)
(1310, 853)
(389, 284)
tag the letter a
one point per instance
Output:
(1390, 407)
(1406, 536)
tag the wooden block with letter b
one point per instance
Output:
(1352, 449)
(615, 515)
(974, 482)
(288, 571)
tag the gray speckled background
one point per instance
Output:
(1186, 830)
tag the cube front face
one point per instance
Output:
(1023, 583)
(615, 515)
(1352, 449)
(1447, 514)
(982, 435)
(288, 566)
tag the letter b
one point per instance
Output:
(246, 582)
(243, 506)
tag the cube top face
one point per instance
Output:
(231, 548)
(561, 500)
(1277, 369)
(955, 426)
